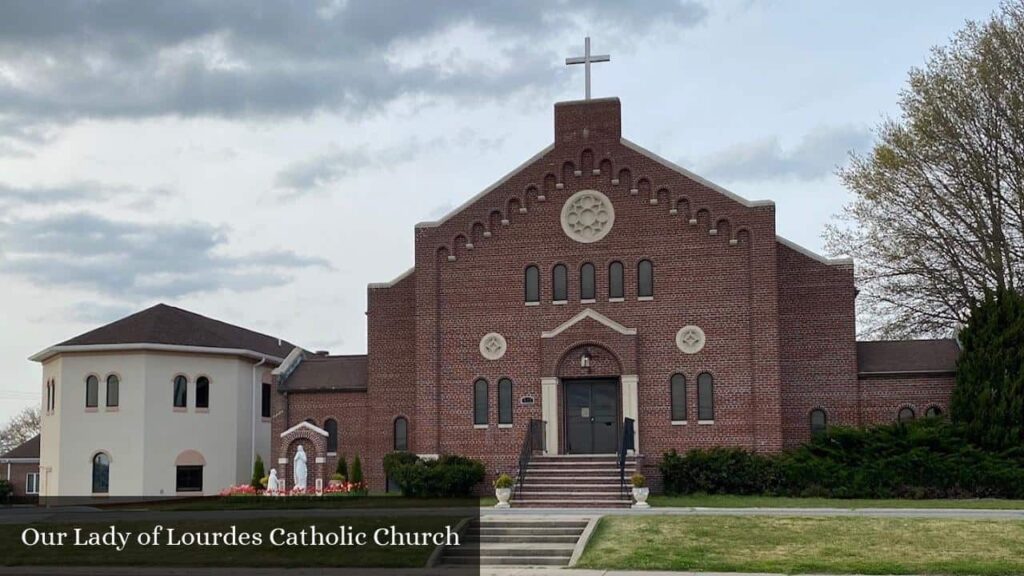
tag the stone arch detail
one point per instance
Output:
(313, 439)
(603, 361)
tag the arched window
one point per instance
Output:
(331, 426)
(92, 392)
(933, 412)
(100, 473)
(113, 390)
(532, 284)
(615, 280)
(645, 279)
(677, 385)
(819, 421)
(504, 401)
(906, 414)
(480, 402)
(401, 434)
(202, 392)
(705, 397)
(587, 282)
(180, 392)
(560, 283)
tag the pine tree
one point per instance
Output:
(988, 399)
(258, 472)
(342, 467)
(357, 470)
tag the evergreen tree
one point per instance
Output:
(342, 467)
(988, 399)
(357, 471)
(258, 472)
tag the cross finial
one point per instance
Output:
(586, 59)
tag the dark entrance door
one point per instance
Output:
(591, 416)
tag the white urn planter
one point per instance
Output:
(640, 495)
(503, 494)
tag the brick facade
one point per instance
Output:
(779, 321)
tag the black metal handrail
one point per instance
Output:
(533, 442)
(625, 445)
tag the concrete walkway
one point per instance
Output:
(93, 515)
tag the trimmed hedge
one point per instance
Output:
(445, 477)
(929, 458)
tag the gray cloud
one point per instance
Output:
(240, 58)
(70, 193)
(817, 155)
(134, 260)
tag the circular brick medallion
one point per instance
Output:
(493, 346)
(587, 216)
(690, 339)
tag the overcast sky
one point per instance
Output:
(262, 162)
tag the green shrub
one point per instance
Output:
(6, 491)
(929, 458)
(337, 477)
(447, 476)
(394, 459)
(357, 470)
(258, 472)
(342, 467)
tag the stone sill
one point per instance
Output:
(588, 301)
(705, 422)
(202, 410)
(91, 409)
(111, 409)
(644, 298)
(180, 409)
(559, 302)
(616, 299)
(504, 425)
(480, 426)
(680, 422)
(533, 303)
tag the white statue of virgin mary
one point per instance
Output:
(299, 469)
(273, 484)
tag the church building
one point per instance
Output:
(596, 290)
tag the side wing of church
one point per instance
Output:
(597, 287)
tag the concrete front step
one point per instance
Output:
(523, 539)
(508, 561)
(521, 530)
(562, 503)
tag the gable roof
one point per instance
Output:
(27, 450)
(327, 373)
(907, 357)
(168, 327)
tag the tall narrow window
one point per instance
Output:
(819, 421)
(678, 392)
(504, 401)
(933, 412)
(113, 390)
(532, 284)
(560, 283)
(331, 426)
(645, 279)
(92, 392)
(180, 392)
(615, 280)
(906, 414)
(480, 402)
(401, 434)
(705, 397)
(587, 282)
(100, 473)
(202, 392)
(265, 400)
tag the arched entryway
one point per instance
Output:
(313, 440)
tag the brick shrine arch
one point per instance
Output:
(313, 440)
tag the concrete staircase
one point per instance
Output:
(516, 542)
(570, 481)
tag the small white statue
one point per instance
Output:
(299, 469)
(273, 484)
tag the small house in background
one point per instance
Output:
(20, 467)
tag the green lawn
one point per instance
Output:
(727, 501)
(794, 545)
(14, 553)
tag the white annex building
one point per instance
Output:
(162, 402)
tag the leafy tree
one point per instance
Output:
(22, 427)
(357, 471)
(938, 211)
(258, 472)
(989, 395)
(342, 467)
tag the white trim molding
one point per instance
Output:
(143, 346)
(393, 281)
(305, 424)
(814, 255)
(593, 315)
